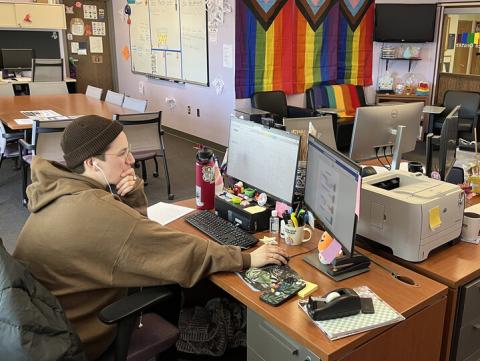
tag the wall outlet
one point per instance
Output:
(140, 87)
(189, 109)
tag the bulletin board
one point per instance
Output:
(168, 40)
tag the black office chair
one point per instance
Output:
(25, 333)
(442, 148)
(467, 117)
(275, 102)
(145, 136)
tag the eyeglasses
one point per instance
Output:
(123, 154)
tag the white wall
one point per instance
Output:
(213, 122)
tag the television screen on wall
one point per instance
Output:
(398, 23)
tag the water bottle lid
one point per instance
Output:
(204, 155)
(274, 213)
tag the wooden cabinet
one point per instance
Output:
(7, 15)
(32, 16)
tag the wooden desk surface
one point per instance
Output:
(406, 299)
(65, 104)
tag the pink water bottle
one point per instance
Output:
(205, 179)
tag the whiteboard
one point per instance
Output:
(168, 39)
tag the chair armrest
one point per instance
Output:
(23, 144)
(298, 112)
(12, 136)
(134, 304)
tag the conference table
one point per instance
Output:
(64, 104)
(418, 337)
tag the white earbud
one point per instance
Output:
(95, 164)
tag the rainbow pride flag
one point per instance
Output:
(290, 56)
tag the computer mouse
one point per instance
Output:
(368, 170)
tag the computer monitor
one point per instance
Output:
(17, 59)
(376, 126)
(264, 158)
(332, 194)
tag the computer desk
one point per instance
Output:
(26, 80)
(290, 335)
(64, 104)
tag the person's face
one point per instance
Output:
(118, 159)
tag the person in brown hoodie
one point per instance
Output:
(88, 244)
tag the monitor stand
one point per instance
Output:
(342, 267)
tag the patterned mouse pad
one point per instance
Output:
(350, 325)
(262, 279)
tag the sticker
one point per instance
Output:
(101, 14)
(78, 4)
(54, 35)
(74, 47)
(126, 52)
(90, 12)
(96, 44)
(27, 18)
(98, 28)
(97, 59)
(76, 26)
(88, 30)
(68, 9)
(69, 36)
(82, 48)
(218, 85)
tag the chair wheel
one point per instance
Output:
(170, 196)
(155, 174)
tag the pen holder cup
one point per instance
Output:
(295, 236)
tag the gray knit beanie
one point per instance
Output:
(87, 136)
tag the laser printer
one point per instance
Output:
(410, 213)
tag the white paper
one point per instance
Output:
(74, 46)
(227, 56)
(69, 36)
(82, 51)
(34, 114)
(89, 11)
(96, 44)
(24, 121)
(98, 28)
(165, 213)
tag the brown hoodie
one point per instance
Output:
(87, 246)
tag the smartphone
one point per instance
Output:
(367, 305)
(282, 291)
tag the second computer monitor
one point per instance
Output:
(264, 158)
(375, 126)
(332, 189)
(17, 59)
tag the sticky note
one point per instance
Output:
(281, 207)
(434, 216)
(254, 209)
(308, 289)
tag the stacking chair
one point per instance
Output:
(6, 90)
(134, 104)
(145, 135)
(46, 139)
(9, 145)
(47, 88)
(157, 336)
(114, 98)
(94, 92)
(47, 70)
(442, 148)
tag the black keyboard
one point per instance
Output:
(221, 230)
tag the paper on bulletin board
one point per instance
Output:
(98, 28)
(90, 12)
(74, 47)
(82, 48)
(96, 44)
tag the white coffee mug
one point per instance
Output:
(295, 236)
(470, 227)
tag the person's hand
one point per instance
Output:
(268, 254)
(127, 183)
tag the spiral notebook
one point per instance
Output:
(346, 326)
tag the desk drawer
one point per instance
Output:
(265, 342)
(471, 303)
(468, 348)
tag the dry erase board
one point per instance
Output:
(168, 39)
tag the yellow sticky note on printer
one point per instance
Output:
(434, 215)
(254, 209)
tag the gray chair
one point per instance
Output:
(6, 90)
(47, 70)
(46, 140)
(9, 145)
(138, 105)
(48, 88)
(145, 136)
(114, 98)
(94, 92)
